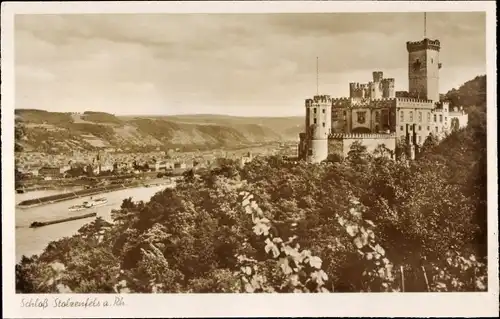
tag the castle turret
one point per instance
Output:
(378, 76)
(318, 127)
(388, 90)
(352, 89)
(423, 69)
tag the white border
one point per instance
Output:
(212, 305)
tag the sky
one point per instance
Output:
(234, 64)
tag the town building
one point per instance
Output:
(374, 114)
(50, 171)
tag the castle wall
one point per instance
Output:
(339, 120)
(376, 121)
(361, 120)
(419, 112)
(319, 151)
(340, 117)
(340, 144)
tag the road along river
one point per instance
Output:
(30, 241)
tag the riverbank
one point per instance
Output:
(30, 241)
(88, 192)
(72, 195)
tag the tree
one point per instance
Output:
(429, 145)
(203, 235)
(357, 154)
(382, 151)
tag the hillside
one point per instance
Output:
(52, 131)
(471, 93)
(39, 130)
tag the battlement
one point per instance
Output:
(374, 103)
(359, 86)
(389, 80)
(378, 76)
(342, 102)
(345, 102)
(361, 136)
(413, 100)
(318, 99)
(384, 101)
(425, 44)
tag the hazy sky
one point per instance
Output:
(244, 64)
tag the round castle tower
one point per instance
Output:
(318, 124)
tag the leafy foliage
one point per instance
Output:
(367, 223)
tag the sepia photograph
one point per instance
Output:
(239, 153)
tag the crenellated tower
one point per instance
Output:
(388, 90)
(423, 69)
(318, 127)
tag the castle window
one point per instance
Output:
(323, 111)
(411, 116)
(445, 119)
(411, 128)
(402, 128)
(436, 129)
(432, 60)
(323, 124)
(419, 139)
(428, 128)
(315, 111)
(416, 65)
(419, 128)
(315, 121)
(428, 117)
(435, 118)
(402, 116)
(420, 116)
(440, 118)
(377, 117)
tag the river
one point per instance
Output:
(30, 241)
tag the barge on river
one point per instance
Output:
(63, 220)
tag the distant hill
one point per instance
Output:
(470, 94)
(39, 130)
(59, 132)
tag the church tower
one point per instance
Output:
(423, 68)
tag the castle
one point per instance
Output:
(374, 114)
